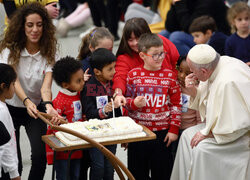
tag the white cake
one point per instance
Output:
(102, 130)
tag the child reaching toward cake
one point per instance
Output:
(96, 99)
(160, 112)
(69, 75)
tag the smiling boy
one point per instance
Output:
(159, 110)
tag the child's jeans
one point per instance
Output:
(101, 168)
(61, 167)
(150, 156)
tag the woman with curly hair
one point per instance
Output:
(29, 45)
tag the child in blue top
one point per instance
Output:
(238, 44)
(96, 99)
(204, 31)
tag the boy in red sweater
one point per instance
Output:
(161, 113)
(69, 75)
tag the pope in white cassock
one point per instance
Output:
(219, 148)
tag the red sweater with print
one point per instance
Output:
(70, 107)
(163, 99)
(125, 63)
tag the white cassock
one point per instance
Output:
(224, 101)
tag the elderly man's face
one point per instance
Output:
(201, 73)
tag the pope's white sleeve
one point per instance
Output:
(194, 102)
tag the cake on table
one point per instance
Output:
(102, 130)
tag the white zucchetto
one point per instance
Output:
(201, 54)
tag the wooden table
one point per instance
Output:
(57, 145)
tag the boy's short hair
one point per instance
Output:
(101, 57)
(64, 68)
(202, 24)
(148, 40)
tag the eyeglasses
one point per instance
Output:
(157, 56)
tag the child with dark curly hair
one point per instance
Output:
(69, 75)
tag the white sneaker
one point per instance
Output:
(62, 28)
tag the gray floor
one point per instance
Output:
(67, 46)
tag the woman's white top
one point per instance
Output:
(8, 151)
(31, 71)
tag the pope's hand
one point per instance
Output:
(190, 84)
(198, 137)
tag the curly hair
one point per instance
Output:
(15, 39)
(64, 68)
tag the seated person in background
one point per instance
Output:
(153, 100)
(96, 99)
(181, 15)
(154, 12)
(219, 148)
(73, 20)
(238, 44)
(10, 7)
(69, 75)
(204, 31)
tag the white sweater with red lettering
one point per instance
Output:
(163, 99)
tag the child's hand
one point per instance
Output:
(86, 76)
(170, 137)
(108, 107)
(120, 100)
(140, 101)
(16, 178)
(125, 146)
(55, 120)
